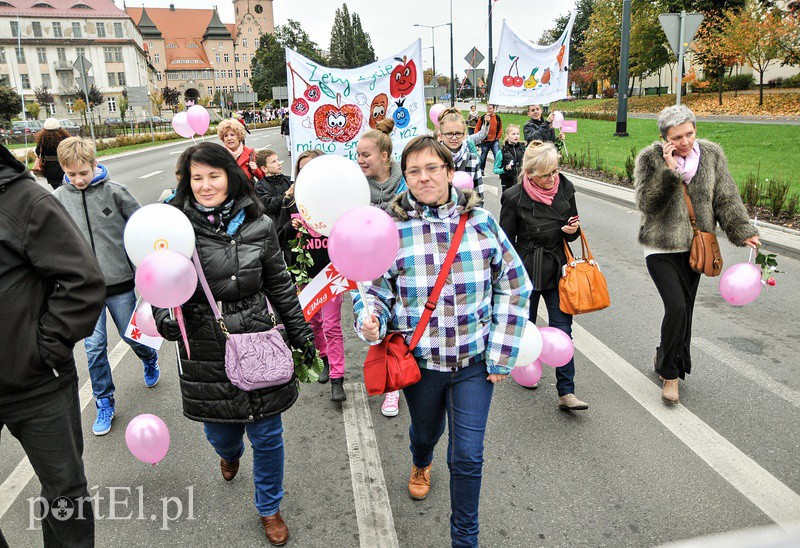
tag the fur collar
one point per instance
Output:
(403, 206)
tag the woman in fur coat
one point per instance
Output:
(662, 171)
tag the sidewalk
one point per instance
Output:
(784, 241)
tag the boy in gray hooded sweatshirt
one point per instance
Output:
(101, 207)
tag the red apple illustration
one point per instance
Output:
(339, 123)
(403, 78)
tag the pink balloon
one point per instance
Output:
(463, 180)
(558, 119)
(145, 321)
(166, 279)
(434, 113)
(527, 375)
(147, 437)
(557, 347)
(740, 284)
(180, 123)
(198, 119)
(363, 243)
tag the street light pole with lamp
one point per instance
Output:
(433, 47)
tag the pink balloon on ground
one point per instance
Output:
(147, 437)
(741, 284)
(198, 119)
(145, 321)
(557, 347)
(527, 375)
(363, 243)
(434, 113)
(180, 123)
(166, 279)
(463, 180)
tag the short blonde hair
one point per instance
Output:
(75, 150)
(452, 115)
(230, 125)
(509, 127)
(540, 158)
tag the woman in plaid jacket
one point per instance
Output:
(474, 333)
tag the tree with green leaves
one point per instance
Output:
(172, 96)
(10, 103)
(43, 97)
(350, 46)
(601, 41)
(584, 13)
(362, 46)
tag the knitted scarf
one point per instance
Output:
(687, 167)
(537, 193)
(238, 152)
(461, 152)
(218, 216)
(381, 193)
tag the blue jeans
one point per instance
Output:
(266, 439)
(462, 399)
(565, 375)
(121, 308)
(486, 146)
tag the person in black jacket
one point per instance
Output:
(51, 294)
(285, 133)
(272, 187)
(538, 216)
(509, 161)
(47, 141)
(537, 129)
(239, 253)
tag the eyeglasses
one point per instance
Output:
(415, 173)
(548, 175)
(454, 134)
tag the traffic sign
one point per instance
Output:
(671, 23)
(82, 64)
(474, 58)
(280, 93)
(85, 86)
(138, 96)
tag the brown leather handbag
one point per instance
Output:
(705, 256)
(582, 287)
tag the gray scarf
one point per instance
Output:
(381, 193)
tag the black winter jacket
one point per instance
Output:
(535, 230)
(241, 269)
(511, 152)
(538, 130)
(51, 287)
(271, 190)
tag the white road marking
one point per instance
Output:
(23, 473)
(757, 375)
(148, 175)
(373, 510)
(175, 152)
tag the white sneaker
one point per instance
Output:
(391, 404)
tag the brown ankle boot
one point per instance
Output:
(420, 482)
(229, 469)
(275, 528)
(670, 392)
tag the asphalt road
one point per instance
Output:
(627, 472)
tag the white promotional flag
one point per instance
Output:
(331, 107)
(526, 74)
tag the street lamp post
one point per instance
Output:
(433, 47)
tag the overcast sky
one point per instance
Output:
(391, 24)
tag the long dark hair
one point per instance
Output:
(50, 138)
(216, 156)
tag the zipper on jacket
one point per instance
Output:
(88, 223)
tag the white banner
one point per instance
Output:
(331, 107)
(526, 74)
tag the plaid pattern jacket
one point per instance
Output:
(483, 307)
(471, 163)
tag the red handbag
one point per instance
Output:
(390, 365)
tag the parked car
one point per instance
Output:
(113, 121)
(71, 127)
(28, 126)
(155, 120)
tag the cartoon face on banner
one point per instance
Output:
(378, 109)
(401, 115)
(403, 78)
(337, 123)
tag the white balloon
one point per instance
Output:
(328, 187)
(530, 347)
(156, 227)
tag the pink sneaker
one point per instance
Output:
(391, 404)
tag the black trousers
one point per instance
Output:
(677, 284)
(49, 429)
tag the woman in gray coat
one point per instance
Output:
(662, 170)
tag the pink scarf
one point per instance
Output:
(687, 167)
(238, 152)
(537, 193)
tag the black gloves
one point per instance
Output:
(170, 330)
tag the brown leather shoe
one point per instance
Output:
(275, 528)
(229, 469)
(670, 391)
(420, 482)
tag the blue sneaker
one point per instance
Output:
(105, 414)
(151, 374)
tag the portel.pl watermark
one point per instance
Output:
(117, 504)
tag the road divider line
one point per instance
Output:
(152, 173)
(373, 510)
(176, 152)
(23, 472)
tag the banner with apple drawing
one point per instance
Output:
(527, 74)
(330, 107)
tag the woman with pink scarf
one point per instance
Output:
(538, 216)
(231, 133)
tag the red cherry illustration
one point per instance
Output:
(300, 106)
(518, 81)
(313, 93)
(508, 81)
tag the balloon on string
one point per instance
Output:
(158, 227)
(198, 119)
(364, 243)
(740, 284)
(557, 347)
(180, 123)
(147, 437)
(558, 119)
(530, 346)
(435, 112)
(166, 279)
(328, 187)
(527, 375)
(145, 321)
(463, 180)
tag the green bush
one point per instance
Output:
(792, 81)
(729, 83)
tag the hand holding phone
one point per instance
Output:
(572, 220)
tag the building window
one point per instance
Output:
(14, 29)
(121, 79)
(112, 79)
(108, 55)
(62, 55)
(230, 74)
(57, 30)
(238, 73)
(112, 104)
(227, 59)
(46, 83)
(20, 55)
(101, 30)
(118, 30)
(52, 108)
(76, 30)
(26, 81)
(69, 103)
(157, 58)
(41, 53)
(257, 43)
(246, 74)
(235, 57)
(112, 55)
(220, 45)
(158, 76)
(37, 29)
(244, 42)
(216, 58)
(80, 51)
(3, 56)
(249, 30)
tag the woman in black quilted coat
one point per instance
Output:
(242, 260)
